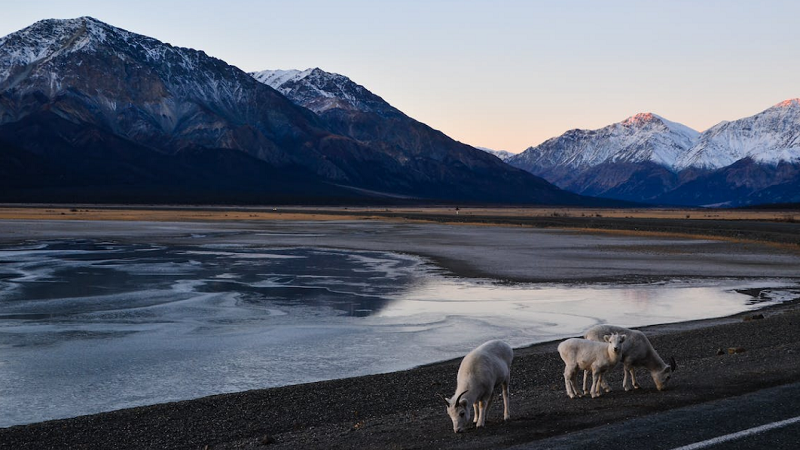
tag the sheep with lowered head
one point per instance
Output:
(583, 354)
(636, 352)
(481, 371)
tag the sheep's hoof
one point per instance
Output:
(507, 418)
(628, 389)
(636, 386)
(596, 395)
(608, 389)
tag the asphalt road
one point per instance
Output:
(766, 419)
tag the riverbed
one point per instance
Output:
(104, 316)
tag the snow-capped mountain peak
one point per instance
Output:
(57, 54)
(639, 138)
(504, 155)
(790, 103)
(641, 119)
(321, 91)
(47, 38)
(50, 38)
(768, 137)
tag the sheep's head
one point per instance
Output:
(459, 412)
(616, 341)
(661, 377)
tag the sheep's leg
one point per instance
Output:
(625, 379)
(568, 383)
(585, 376)
(475, 410)
(481, 413)
(486, 409)
(574, 381)
(595, 383)
(601, 381)
(570, 375)
(633, 378)
(604, 383)
(506, 410)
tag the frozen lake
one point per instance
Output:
(95, 325)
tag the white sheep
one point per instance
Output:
(583, 354)
(481, 371)
(636, 352)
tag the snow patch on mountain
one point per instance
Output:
(277, 79)
(502, 154)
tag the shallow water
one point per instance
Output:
(89, 326)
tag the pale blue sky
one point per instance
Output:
(499, 74)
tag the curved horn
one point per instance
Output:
(672, 364)
(459, 397)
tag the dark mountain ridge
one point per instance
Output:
(88, 107)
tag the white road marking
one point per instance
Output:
(740, 434)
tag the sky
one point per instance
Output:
(500, 74)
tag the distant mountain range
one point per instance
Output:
(93, 113)
(647, 158)
(90, 112)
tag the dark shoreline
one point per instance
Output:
(781, 226)
(402, 410)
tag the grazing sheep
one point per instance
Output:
(481, 371)
(637, 352)
(583, 354)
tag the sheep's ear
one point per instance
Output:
(622, 338)
(446, 400)
(460, 401)
(607, 338)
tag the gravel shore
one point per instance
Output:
(402, 409)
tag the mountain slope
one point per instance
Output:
(160, 115)
(352, 110)
(745, 182)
